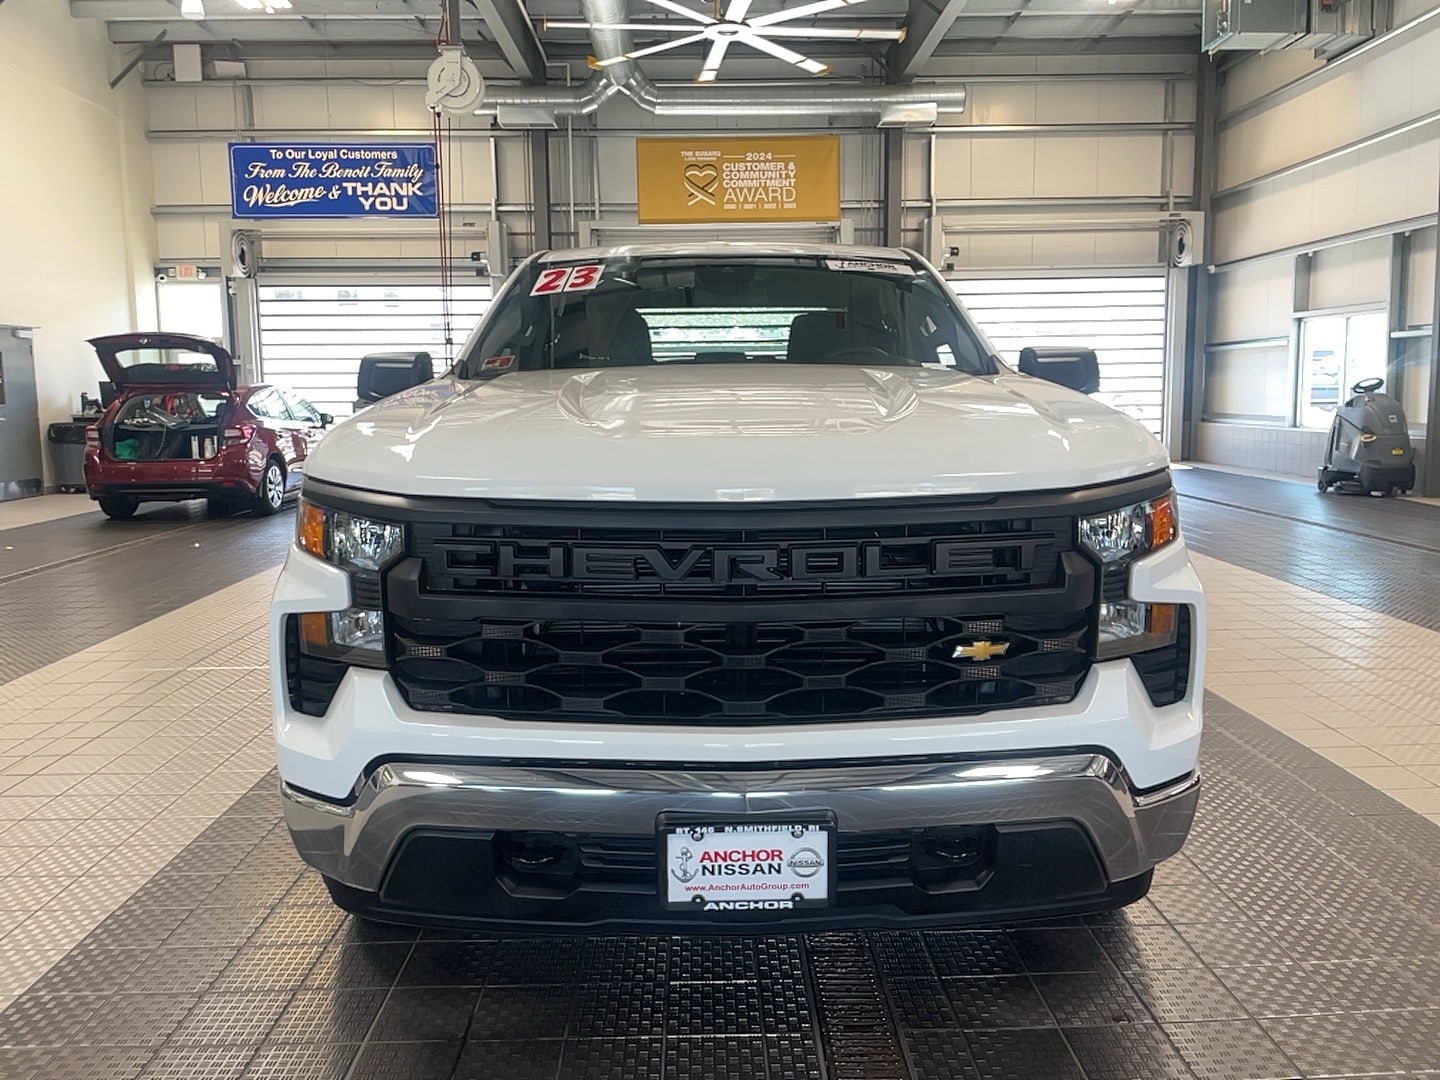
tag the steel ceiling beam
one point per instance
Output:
(515, 37)
(1067, 32)
(135, 60)
(925, 27)
(165, 10)
(417, 28)
(422, 51)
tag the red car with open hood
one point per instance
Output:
(181, 428)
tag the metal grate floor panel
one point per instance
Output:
(1249, 959)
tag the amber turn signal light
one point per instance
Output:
(310, 532)
(1162, 619)
(315, 631)
(1163, 526)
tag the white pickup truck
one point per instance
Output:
(730, 585)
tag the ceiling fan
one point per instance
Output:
(735, 27)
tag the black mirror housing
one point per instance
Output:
(1072, 367)
(383, 374)
(326, 419)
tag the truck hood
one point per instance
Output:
(707, 433)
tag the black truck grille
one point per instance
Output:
(743, 613)
(994, 554)
(740, 671)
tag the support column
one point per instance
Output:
(1177, 338)
(540, 188)
(1430, 463)
(1399, 317)
(1206, 153)
(1299, 301)
(892, 188)
(243, 307)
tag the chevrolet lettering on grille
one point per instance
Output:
(828, 561)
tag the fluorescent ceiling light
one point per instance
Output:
(192, 9)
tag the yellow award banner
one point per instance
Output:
(725, 178)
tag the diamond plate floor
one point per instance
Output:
(1298, 935)
(72, 583)
(1401, 521)
(1379, 554)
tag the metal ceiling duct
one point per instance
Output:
(519, 106)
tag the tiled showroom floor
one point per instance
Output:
(154, 920)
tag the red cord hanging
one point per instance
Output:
(441, 134)
(441, 137)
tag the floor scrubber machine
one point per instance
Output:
(1369, 450)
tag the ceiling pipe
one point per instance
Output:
(538, 106)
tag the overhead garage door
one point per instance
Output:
(312, 335)
(616, 234)
(1121, 318)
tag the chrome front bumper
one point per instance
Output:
(354, 842)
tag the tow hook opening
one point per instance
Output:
(536, 851)
(539, 865)
(953, 858)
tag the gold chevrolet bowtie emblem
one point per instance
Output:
(981, 650)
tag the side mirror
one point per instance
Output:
(1074, 368)
(383, 374)
(326, 419)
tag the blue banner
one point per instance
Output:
(332, 180)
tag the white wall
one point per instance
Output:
(1042, 178)
(191, 125)
(191, 173)
(1391, 181)
(1384, 185)
(76, 240)
(1350, 275)
(1252, 384)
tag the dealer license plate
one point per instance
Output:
(749, 867)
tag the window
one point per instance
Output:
(267, 404)
(193, 307)
(678, 333)
(150, 361)
(1336, 352)
(189, 407)
(756, 310)
(300, 409)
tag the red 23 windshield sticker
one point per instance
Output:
(557, 279)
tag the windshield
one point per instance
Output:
(623, 312)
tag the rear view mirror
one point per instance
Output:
(1074, 368)
(326, 419)
(383, 374)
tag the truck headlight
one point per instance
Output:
(364, 547)
(1117, 538)
(1128, 626)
